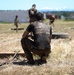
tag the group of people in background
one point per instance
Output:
(32, 14)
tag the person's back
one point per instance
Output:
(41, 35)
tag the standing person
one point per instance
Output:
(52, 19)
(32, 13)
(42, 39)
(16, 21)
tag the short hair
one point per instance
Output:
(40, 16)
(34, 5)
(16, 16)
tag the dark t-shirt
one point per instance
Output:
(41, 33)
(32, 13)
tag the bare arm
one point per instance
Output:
(28, 30)
(50, 34)
(25, 34)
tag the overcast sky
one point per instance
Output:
(41, 4)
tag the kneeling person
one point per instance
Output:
(42, 38)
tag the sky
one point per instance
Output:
(40, 4)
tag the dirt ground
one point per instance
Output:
(60, 61)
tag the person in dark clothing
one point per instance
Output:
(52, 19)
(32, 13)
(40, 44)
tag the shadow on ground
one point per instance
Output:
(25, 62)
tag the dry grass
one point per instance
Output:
(60, 62)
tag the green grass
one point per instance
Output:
(69, 20)
(6, 27)
(60, 26)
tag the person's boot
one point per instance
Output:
(31, 62)
(30, 58)
(43, 59)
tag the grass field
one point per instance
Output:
(60, 61)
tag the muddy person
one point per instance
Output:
(52, 19)
(32, 13)
(16, 22)
(40, 43)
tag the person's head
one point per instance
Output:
(33, 6)
(39, 16)
(16, 16)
